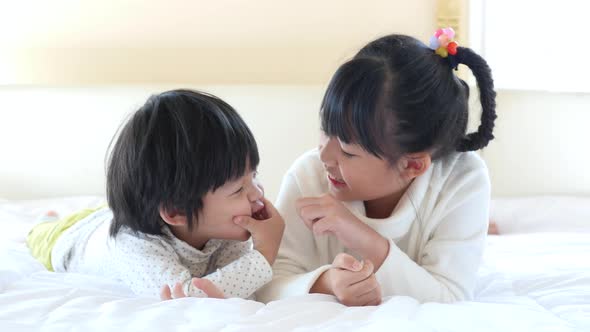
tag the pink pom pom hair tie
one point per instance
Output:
(442, 43)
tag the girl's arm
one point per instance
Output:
(446, 270)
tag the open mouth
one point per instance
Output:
(336, 182)
(260, 213)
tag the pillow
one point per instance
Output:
(541, 214)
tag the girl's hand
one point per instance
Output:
(327, 215)
(205, 285)
(352, 282)
(267, 227)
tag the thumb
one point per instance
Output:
(347, 262)
(246, 223)
(208, 288)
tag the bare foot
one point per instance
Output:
(493, 228)
(48, 216)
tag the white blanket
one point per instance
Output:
(528, 282)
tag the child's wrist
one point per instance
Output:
(269, 255)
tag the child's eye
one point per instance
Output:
(348, 155)
(238, 191)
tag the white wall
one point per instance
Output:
(54, 131)
(542, 144)
(53, 140)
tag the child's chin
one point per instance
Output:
(244, 236)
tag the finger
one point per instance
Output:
(177, 291)
(247, 223)
(165, 293)
(347, 262)
(308, 223)
(270, 208)
(267, 212)
(366, 272)
(323, 226)
(371, 298)
(310, 214)
(208, 288)
(364, 286)
(305, 201)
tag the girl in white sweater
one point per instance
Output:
(392, 202)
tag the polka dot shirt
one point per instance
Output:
(147, 262)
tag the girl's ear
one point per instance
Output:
(173, 217)
(415, 164)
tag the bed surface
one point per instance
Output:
(537, 281)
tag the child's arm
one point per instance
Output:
(267, 230)
(146, 264)
(242, 267)
(300, 261)
(240, 271)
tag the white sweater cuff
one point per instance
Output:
(390, 270)
(290, 285)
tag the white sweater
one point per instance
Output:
(436, 233)
(147, 262)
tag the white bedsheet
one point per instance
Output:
(528, 282)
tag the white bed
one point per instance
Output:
(529, 281)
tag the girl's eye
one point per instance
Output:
(238, 191)
(348, 155)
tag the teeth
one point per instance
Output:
(336, 179)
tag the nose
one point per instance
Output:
(255, 195)
(327, 149)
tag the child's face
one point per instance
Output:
(355, 174)
(241, 197)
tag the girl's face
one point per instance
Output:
(355, 174)
(242, 197)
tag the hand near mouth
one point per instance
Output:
(327, 215)
(266, 227)
(260, 213)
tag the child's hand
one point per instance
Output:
(266, 227)
(205, 285)
(352, 282)
(327, 215)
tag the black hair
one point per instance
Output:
(397, 96)
(178, 146)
